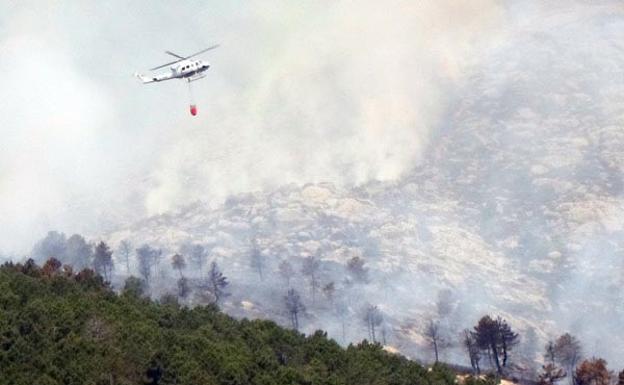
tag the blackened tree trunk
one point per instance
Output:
(496, 360)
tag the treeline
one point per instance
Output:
(75, 252)
(201, 281)
(490, 346)
(61, 326)
(308, 288)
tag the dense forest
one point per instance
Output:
(58, 326)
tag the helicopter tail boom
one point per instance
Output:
(144, 78)
(153, 79)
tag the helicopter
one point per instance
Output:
(183, 68)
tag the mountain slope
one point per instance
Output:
(515, 210)
(64, 328)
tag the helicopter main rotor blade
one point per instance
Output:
(164, 65)
(180, 58)
(175, 55)
(202, 51)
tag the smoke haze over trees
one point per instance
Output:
(469, 164)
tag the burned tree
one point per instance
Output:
(372, 318)
(567, 350)
(179, 263)
(147, 257)
(310, 268)
(197, 254)
(286, 271)
(384, 334)
(342, 310)
(508, 338)
(216, 283)
(356, 269)
(474, 353)
(103, 261)
(125, 250)
(550, 355)
(184, 288)
(487, 338)
(496, 338)
(257, 259)
(328, 291)
(294, 307)
(434, 337)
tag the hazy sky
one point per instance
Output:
(299, 92)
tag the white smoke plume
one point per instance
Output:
(299, 92)
(343, 92)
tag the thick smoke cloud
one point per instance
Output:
(338, 91)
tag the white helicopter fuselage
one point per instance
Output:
(185, 69)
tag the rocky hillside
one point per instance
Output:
(515, 210)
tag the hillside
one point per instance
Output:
(515, 209)
(59, 327)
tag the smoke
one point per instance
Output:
(337, 91)
(343, 92)
(52, 153)
(550, 97)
